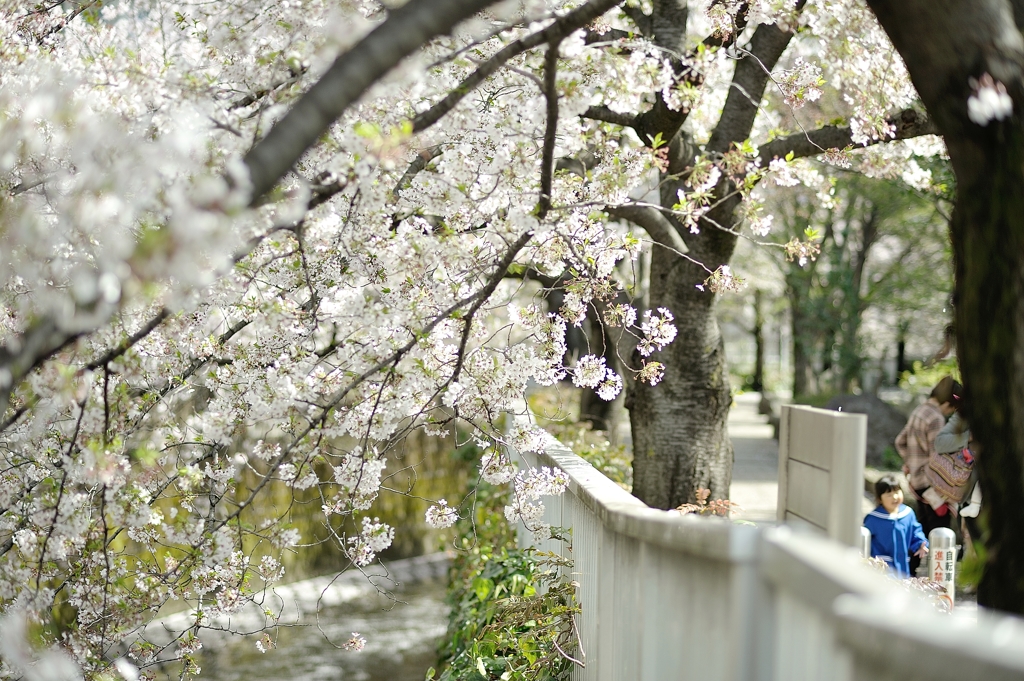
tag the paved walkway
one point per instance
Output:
(755, 471)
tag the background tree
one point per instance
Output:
(679, 434)
(884, 258)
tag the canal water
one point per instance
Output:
(398, 608)
(401, 632)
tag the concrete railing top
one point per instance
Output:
(620, 511)
(925, 645)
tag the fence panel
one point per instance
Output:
(821, 470)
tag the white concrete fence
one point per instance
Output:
(666, 596)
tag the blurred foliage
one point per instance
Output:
(922, 378)
(891, 460)
(815, 400)
(973, 564)
(557, 412)
(512, 609)
(884, 276)
(420, 469)
(614, 461)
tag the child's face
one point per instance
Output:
(892, 499)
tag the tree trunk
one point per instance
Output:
(758, 382)
(901, 350)
(680, 439)
(988, 243)
(945, 44)
(804, 382)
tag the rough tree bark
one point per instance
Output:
(946, 43)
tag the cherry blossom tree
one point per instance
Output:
(239, 254)
(749, 91)
(240, 251)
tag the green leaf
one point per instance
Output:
(483, 588)
(366, 130)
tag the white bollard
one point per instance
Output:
(865, 542)
(942, 559)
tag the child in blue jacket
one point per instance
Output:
(895, 532)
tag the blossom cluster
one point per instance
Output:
(375, 536)
(441, 515)
(527, 489)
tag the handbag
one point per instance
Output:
(950, 474)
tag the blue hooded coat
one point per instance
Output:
(894, 537)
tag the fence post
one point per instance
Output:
(865, 542)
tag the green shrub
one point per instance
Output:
(512, 609)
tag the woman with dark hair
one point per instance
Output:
(916, 444)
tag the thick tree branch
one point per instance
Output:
(547, 167)
(652, 221)
(660, 118)
(405, 30)
(1018, 13)
(668, 24)
(909, 123)
(560, 28)
(603, 113)
(415, 168)
(748, 84)
(642, 21)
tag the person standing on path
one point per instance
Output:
(916, 445)
(954, 437)
(895, 532)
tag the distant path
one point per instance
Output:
(755, 471)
